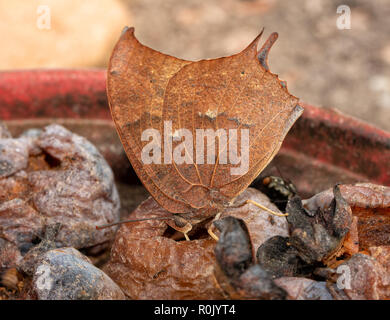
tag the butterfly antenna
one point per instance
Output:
(266, 209)
(131, 220)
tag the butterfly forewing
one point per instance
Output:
(136, 81)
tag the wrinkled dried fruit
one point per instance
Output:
(13, 157)
(304, 289)
(367, 279)
(53, 176)
(147, 263)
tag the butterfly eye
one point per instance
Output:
(267, 181)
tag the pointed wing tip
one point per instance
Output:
(255, 42)
(260, 34)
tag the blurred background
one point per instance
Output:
(323, 64)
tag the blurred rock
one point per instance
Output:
(386, 54)
(66, 274)
(54, 177)
(80, 34)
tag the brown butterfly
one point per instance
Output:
(167, 111)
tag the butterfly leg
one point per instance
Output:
(180, 224)
(266, 209)
(210, 228)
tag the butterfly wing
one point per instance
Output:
(147, 89)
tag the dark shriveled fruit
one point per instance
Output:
(237, 273)
(233, 252)
(370, 205)
(318, 235)
(280, 258)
